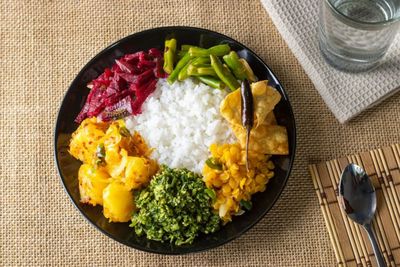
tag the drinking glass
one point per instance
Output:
(354, 35)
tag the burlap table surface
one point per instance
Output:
(43, 46)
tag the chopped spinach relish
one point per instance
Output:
(175, 207)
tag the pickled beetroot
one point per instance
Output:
(121, 90)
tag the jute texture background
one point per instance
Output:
(43, 46)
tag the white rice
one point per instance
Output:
(180, 122)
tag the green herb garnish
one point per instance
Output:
(211, 193)
(100, 154)
(124, 131)
(246, 204)
(213, 163)
(175, 207)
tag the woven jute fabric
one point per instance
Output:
(43, 46)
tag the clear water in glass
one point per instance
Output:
(354, 35)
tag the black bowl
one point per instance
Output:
(74, 100)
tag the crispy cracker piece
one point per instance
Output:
(266, 139)
(270, 119)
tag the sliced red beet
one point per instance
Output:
(83, 114)
(146, 91)
(159, 70)
(155, 53)
(124, 66)
(128, 77)
(96, 106)
(103, 79)
(111, 100)
(115, 68)
(142, 92)
(121, 90)
(143, 57)
(133, 57)
(145, 77)
(146, 64)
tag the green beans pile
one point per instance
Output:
(217, 66)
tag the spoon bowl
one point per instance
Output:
(357, 194)
(358, 200)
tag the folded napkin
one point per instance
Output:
(345, 94)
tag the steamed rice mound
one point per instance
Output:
(180, 122)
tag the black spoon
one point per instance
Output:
(359, 202)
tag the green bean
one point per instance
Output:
(169, 55)
(212, 81)
(192, 70)
(186, 47)
(199, 61)
(201, 71)
(183, 73)
(232, 60)
(181, 63)
(206, 71)
(202, 65)
(181, 54)
(218, 50)
(198, 52)
(223, 73)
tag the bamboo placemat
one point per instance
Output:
(349, 241)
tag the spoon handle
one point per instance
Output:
(375, 247)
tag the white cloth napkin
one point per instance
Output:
(345, 94)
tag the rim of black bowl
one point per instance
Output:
(217, 244)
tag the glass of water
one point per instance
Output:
(354, 35)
